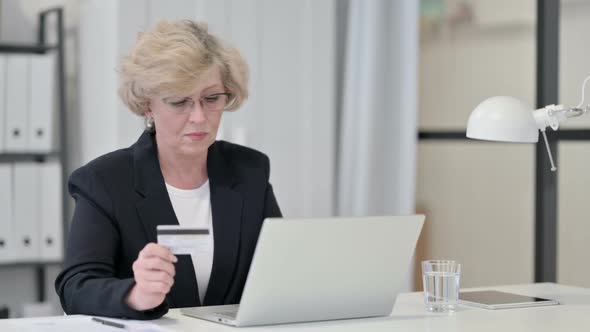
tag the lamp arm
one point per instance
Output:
(583, 92)
(576, 111)
(550, 116)
(553, 115)
(553, 167)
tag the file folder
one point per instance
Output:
(42, 132)
(2, 101)
(17, 103)
(51, 216)
(6, 238)
(26, 211)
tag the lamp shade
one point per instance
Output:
(504, 119)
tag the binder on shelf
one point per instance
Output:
(42, 131)
(17, 103)
(51, 215)
(6, 238)
(25, 224)
(2, 101)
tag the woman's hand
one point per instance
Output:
(154, 272)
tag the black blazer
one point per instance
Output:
(120, 199)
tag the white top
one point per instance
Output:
(193, 209)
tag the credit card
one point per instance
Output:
(182, 240)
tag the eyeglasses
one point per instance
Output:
(211, 103)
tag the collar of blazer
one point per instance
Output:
(226, 209)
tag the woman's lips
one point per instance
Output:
(197, 136)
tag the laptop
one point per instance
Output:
(320, 269)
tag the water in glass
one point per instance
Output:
(441, 290)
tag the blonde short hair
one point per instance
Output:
(172, 57)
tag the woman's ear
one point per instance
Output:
(148, 111)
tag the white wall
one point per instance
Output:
(459, 71)
(104, 126)
(479, 204)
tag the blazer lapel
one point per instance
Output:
(156, 209)
(226, 209)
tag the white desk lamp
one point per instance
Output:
(507, 119)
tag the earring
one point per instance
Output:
(149, 123)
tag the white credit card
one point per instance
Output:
(183, 240)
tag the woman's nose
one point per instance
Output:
(197, 113)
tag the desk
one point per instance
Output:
(409, 315)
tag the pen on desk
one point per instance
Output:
(108, 322)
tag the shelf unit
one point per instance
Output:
(42, 47)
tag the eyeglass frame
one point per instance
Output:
(188, 108)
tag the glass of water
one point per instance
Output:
(441, 279)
